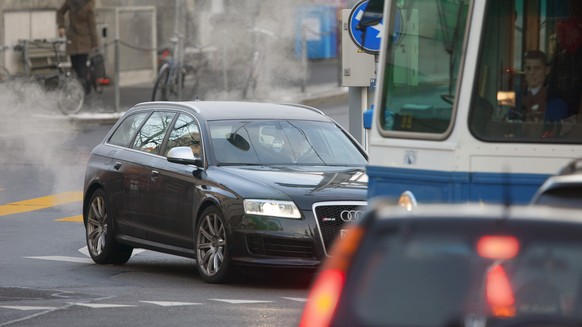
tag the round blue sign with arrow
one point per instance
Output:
(370, 39)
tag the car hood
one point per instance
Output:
(304, 185)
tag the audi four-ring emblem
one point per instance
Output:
(351, 215)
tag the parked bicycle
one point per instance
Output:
(179, 79)
(4, 73)
(257, 67)
(46, 63)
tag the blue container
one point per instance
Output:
(319, 25)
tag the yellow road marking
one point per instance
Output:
(74, 219)
(40, 203)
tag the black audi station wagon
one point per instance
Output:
(233, 185)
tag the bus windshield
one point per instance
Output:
(421, 66)
(528, 78)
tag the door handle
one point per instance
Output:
(117, 165)
(154, 175)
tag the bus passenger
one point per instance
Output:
(534, 102)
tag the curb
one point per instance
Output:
(317, 99)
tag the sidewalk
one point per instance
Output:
(321, 87)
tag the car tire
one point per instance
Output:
(212, 255)
(99, 232)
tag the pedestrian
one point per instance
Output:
(81, 34)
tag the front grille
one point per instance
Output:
(280, 247)
(329, 219)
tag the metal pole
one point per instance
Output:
(304, 58)
(116, 78)
(176, 16)
(180, 57)
(224, 63)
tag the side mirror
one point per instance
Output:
(184, 155)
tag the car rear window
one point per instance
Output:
(435, 273)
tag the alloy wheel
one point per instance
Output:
(211, 244)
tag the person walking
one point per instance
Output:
(81, 35)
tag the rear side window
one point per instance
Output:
(562, 197)
(151, 135)
(435, 274)
(127, 129)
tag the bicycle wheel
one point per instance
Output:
(70, 95)
(4, 73)
(163, 85)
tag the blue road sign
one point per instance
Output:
(370, 41)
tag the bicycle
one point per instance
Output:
(53, 74)
(170, 83)
(4, 73)
(256, 68)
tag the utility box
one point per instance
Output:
(135, 29)
(358, 67)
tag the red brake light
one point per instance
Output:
(327, 288)
(323, 299)
(498, 247)
(499, 293)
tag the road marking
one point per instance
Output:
(170, 304)
(74, 219)
(25, 308)
(103, 305)
(240, 301)
(63, 258)
(298, 299)
(40, 203)
(85, 251)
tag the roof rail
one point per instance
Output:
(304, 107)
(174, 104)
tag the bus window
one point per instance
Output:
(421, 68)
(529, 76)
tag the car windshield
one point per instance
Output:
(280, 142)
(445, 273)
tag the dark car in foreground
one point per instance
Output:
(563, 189)
(453, 265)
(233, 185)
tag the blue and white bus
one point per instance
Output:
(453, 122)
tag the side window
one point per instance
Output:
(127, 129)
(185, 133)
(151, 135)
(528, 84)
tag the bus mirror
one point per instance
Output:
(368, 114)
(372, 14)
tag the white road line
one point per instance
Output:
(170, 304)
(26, 308)
(85, 251)
(298, 299)
(103, 305)
(240, 301)
(63, 258)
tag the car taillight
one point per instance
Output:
(499, 293)
(327, 288)
(498, 247)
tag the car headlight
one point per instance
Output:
(273, 208)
